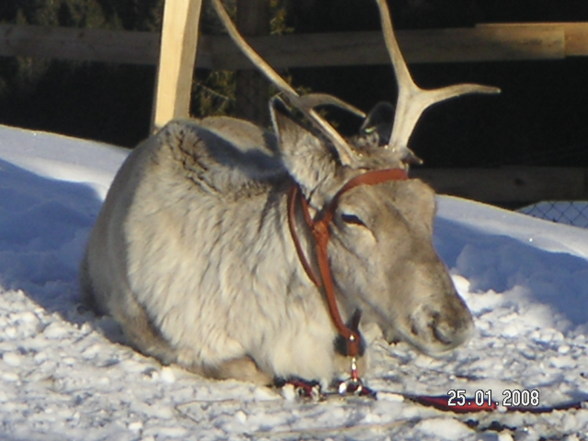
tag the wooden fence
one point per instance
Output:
(174, 51)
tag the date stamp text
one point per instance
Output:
(511, 398)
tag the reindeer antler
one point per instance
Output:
(412, 101)
(305, 103)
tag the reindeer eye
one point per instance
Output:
(352, 219)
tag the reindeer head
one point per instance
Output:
(381, 247)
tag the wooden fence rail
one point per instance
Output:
(509, 185)
(488, 42)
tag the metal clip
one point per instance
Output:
(354, 385)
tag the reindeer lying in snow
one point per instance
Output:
(221, 247)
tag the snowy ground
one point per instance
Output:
(61, 378)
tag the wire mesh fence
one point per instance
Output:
(565, 212)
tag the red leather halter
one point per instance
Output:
(319, 227)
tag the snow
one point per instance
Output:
(64, 376)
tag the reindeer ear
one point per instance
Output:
(308, 160)
(379, 120)
(378, 123)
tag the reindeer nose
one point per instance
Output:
(453, 330)
(438, 331)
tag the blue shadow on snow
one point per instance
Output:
(44, 225)
(500, 263)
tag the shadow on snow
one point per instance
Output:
(44, 225)
(501, 263)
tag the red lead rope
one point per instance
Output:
(319, 226)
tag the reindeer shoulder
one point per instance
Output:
(219, 155)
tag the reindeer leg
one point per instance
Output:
(242, 369)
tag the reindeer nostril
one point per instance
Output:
(444, 334)
(440, 329)
(436, 331)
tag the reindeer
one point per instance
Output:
(240, 253)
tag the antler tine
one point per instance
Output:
(412, 101)
(312, 100)
(305, 103)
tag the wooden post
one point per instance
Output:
(252, 87)
(179, 38)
